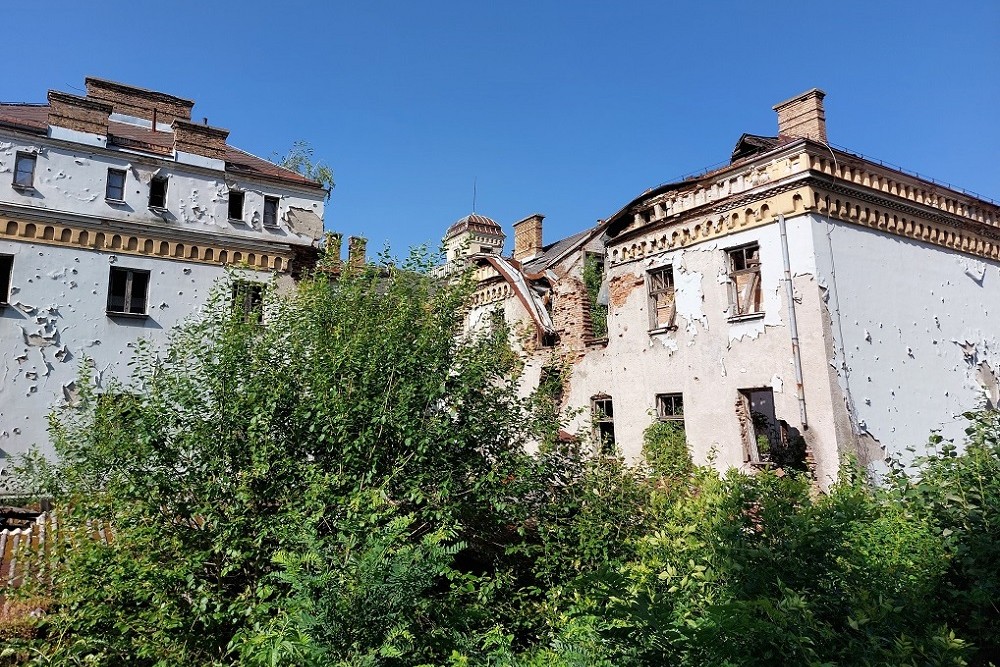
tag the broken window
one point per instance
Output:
(24, 170)
(767, 440)
(6, 268)
(662, 308)
(593, 280)
(127, 291)
(670, 408)
(602, 411)
(115, 190)
(158, 192)
(236, 199)
(248, 297)
(745, 294)
(270, 211)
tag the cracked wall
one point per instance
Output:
(915, 330)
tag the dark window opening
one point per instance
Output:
(24, 170)
(593, 280)
(158, 192)
(485, 250)
(745, 294)
(767, 440)
(662, 306)
(602, 411)
(248, 299)
(670, 408)
(116, 185)
(6, 269)
(270, 211)
(236, 199)
(127, 290)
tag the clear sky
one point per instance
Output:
(570, 109)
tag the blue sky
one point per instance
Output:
(567, 109)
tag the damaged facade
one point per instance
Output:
(800, 304)
(118, 214)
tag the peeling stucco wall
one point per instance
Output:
(916, 332)
(56, 319)
(73, 180)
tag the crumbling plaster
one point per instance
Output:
(74, 179)
(709, 358)
(915, 332)
(56, 318)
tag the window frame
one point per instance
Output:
(268, 199)
(654, 292)
(675, 400)
(738, 303)
(251, 293)
(107, 186)
(18, 157)
(6, 277)
(242, 195)
(165, 180)
(603, 421)
(130, 274)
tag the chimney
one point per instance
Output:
(78, 113)
(803, 116)
(199, 139)
(528, 237)
(139, 102)
(333, 245)
(356, 251)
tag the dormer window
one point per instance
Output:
(236, 200)
(158, 192)
(24, 170)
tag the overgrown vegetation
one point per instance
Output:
(347, 485)
(593, 277)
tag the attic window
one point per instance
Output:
(236, 199)
(270, 211)
(158, 192)
(115, 190)
(24, 170)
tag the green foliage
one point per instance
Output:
(300, 159)
(347, 484)
(593, 277)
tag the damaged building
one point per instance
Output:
(799, 304)
(118, 214)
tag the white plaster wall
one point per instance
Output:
(709, 358)
(57, 316)
(912, 323)
(73, 179)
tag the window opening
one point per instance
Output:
(662, 307)
(6, 270)
(270, 211)
(670, 408)
(158, 192)
(24, 170)
(248, 297)
(593, 280)
(236, 199)
(602, 410)
(745, 294)
(116, 185)
(127, 289)
(767, 440)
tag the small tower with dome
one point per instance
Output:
(473, 235)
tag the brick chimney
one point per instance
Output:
(139, 102)
(356, 251)
(528, 237)
(803, 116)
(203, 140)
(78, 113)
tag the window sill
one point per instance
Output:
(662, 330)
(158, 210)
(22, 188)
(237, 221)
(747, 317)
(114, 202)
(129, 316)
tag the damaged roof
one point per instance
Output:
(33, 118)
(553, 252)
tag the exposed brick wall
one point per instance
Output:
(570, 313)
(200, 139)
(528, 236)
(78, 113)
(803, 116)
(139, 102)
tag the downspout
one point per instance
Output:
(793, 324)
